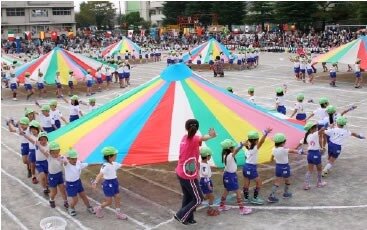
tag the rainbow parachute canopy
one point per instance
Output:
(146, 124)
(119, 48)
(9, 60)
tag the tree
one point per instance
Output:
(133, 19)
(230, 12)
(200, 7)
(171, 10)
(262, 12)
(99, 13)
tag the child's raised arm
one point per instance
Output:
(211, 134)
(348, 110)
(262, 139)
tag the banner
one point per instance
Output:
(11, 36)
(18, 45)
(54, 36)
(42, 35)
(130, 33)
(27, 35)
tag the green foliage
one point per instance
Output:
(260, 12)
(230, 12)
(99, 13)
(133, 19)
(171, 10)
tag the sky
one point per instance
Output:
(116, 3)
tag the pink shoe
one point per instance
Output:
(98, 211)
(223, 208)
(321, 184)
(245, 211)
(121, 216)
(306, 186)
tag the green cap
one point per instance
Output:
(35, 124)
(341, 121)
(92, 99)
(27, 74)
(205, 151)
(74, 98)
(300, 97)
(42, 134)
(28, 111)
(227, 144)
(279, 138)
(53, 145)
(108, 151)
(72, 153)
(24, 121)
(279, 90)
(230, 89)
(70, 71)
(330, 109)
(323, 100)
(251, 89)
(53, 102)
(45, 108)
(309, 125)
(252, 135)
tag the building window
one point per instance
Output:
(39, 13)
(61, 11)
(15, 12)
(152, 12)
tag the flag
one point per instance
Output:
(54, 36)
(18, 45)
(130, 33)
(11, 36)
(142, 32)
(27, 35)
(42, 35)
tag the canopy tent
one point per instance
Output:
(347, 53)
(147, 123)
(121, 47)
(206, 52)
(63, 61)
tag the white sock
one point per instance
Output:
(118, 210)
(328, 167)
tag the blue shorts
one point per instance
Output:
(230, 61)
(108, 78)
(110, 187)
(48, 129)
(13, 86)
(55, 179)
(334, 150)
(309, 71)
(296, 69)
(32, 155)
(320, 126)
(146, 56)
(58, 85)
(89, 83)
(73, 188)
(230, 181)
(181, 60)
(239, 62)
(57, 124)
(27, 86)
(40, 86)
(71, 84)
(73, 118)
(357, 74)
(169, 61)
(99, 80)
(206, 185)
(314, 157)
(42, 166)
(302, 70)
(282, 170)
(250, 171)
(126, 75)
(282, 109)
(121, 75)
(126, 57)
(24, 149)
(198, 62)
(333, 74)
(301, 116)
(211, 62)
(140, 56)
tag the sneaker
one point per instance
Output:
(257, 200)
(52, 204)
(34, 180)
(245, 211)
(98, 211)
(90, 209)
(247, 200)
(120, 216)
(72, 212)
(66, 204)
(272, 199)
(306, 186)
(223, 208)
(321, 184)
(324, 173)
(191, 222)
(287, 195)
(179, 220)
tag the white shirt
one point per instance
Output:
(231, 165)
(46, 121)
(71, 77)
(27, 80)
(13, 80)
(120, 70)
(313, 141)
(321, 114)
(91, 108)
(251, 156)
(299, 107)
(108, 72)
(205, 170)
(357, 68)
(99, 74)
(57, 79)
(332, 69)
(39, 155)
(88, 77)
(41, 79)
(281, 155)
(24, 140)
(109, 170)
(31, 145)
(54, 165)
(252, 99)
(74, 110)
(72, 172)
(338, 135)
(126, 69)
(296, 64)
(308, 66)
(55, 114)
(279, 100)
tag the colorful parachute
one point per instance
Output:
(206, 52)
(6, 59)
(121, 47)
(147, 123)
(347, 53)
(63, 61)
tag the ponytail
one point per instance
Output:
(192, 126)
(192, 131)
(225, 153)
(331, 119)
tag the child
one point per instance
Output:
(337, 137)
(251, 93)
(110, 184)
(310, 71)
(333, 115)
(230, 180)
(303, 63)
(41, 84)
(55, 176)
(89, 80)
(71, 83)
(249, 171)
(74, 186)
(58, 84)
(282, 168)
(324, 66)
(41, 160)
(99, 78)
(13, 86)
(92, 104)
(296, 67)
(298, 108)
(120, 72)
(206, 184)
(333, 75)
(279, 100)
(108, 77)
(239, 61)
(74, 108)
(47, 122)
(314, 154)
(357, 73)
(127, 69)
(56, 115)
(28, 85)
(34, 128)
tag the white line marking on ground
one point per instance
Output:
(295, 208)
(162, 223)
(13, 217)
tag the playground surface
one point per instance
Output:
(151, 193)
